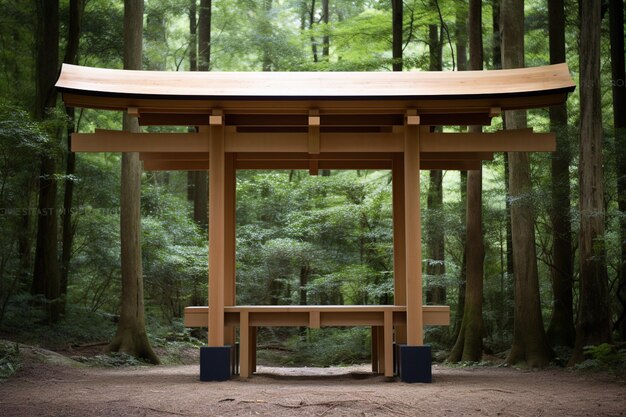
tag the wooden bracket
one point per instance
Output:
(216, 118)
(495, 111)
(412, 118)
(314, 117)
(133, 111)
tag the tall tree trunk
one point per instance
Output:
(156, 36)
(469, 342)
(131, 336)
(496, 41)
(435, 294)
(506, 313)
(193, 39)
(193, 66)
(529, 339)
(266, 29)
(204, 35)
(593, 325)
(46, 273)
(461, 53)
(326, 37)
(460, 33)
(618, 71)
(561, 331)
(313, 40)
(77, 8)
(397, 31)
(201, 178)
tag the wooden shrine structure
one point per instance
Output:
(313, 121)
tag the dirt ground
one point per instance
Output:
(49, 390)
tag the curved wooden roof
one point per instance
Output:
(508, 89)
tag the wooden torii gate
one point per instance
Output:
(323, 120)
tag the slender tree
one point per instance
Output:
(397, 31)
(460, 33)
(561, 330)
(435, 294)
(46, 274)
(77, 8)
(266, 32)
(131, 336)
(201, 178)
(529, 339)
(193, 66)
(313, 40)
(593, 326)
(469, 343)
(618, 71)
(326, 37)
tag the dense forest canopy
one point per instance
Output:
(305, 239)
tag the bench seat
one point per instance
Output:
(381, 318)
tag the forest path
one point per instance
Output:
(47, 390)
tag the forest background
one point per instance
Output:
(323, 239)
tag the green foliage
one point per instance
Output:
(110, 360)
(322, 347)
(9, 359)
(24, 322)
(604, 357)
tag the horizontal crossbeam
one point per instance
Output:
(459, 165)
(520, 140)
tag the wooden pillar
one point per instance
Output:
(399, 249)
(413, 233)
(230, 189)
(216, 229)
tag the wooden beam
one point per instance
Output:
(302, 156)
(311, 164)
(155, 165)
(118, 141)
(306, 164)
(451, 165)
(173, 119)
(520, 140)
(174, 156)
(361, 142)
(266, 142)
(280, 120)
(456, 156)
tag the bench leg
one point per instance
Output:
(388, 343)
(244, 345)
(380, 340)
(253, 347)
(375, 349)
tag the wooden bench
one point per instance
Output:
(382, 319)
